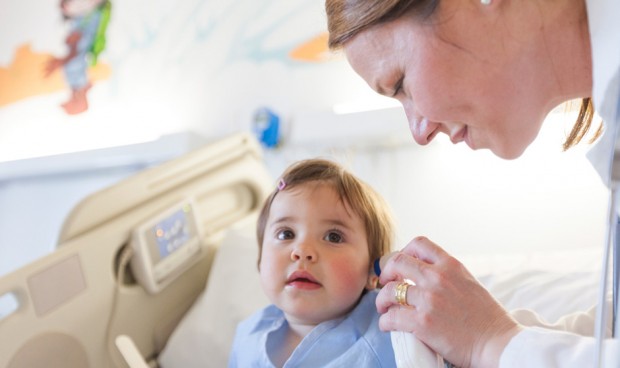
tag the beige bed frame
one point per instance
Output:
(72, 304)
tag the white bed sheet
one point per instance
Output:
(204, 337)
(551, 283)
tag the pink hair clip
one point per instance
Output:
(281, 184)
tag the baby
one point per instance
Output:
(318, 235)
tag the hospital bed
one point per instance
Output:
(158, 269)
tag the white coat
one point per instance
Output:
(554, 346)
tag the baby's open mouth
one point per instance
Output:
(302, 279)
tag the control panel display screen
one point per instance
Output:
(165, 245)
(172, 232)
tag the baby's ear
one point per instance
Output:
(372, 281)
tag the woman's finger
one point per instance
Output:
(424, 249)
(389, 296)
(401, 266)
(414, 262)
(398, 318)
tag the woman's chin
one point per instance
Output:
(508, 153)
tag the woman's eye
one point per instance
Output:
(334, 237)
(398, 87)
(285, 234)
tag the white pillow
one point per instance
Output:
(204, 337)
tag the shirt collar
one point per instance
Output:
(605, 44)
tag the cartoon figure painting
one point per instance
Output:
(86, 40)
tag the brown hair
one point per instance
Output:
(357, 195)
(347, 18)
(582, 125)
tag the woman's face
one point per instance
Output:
(465, 72)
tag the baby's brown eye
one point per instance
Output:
(285, 234)
(334, 237)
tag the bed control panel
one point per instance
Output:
(165, 245)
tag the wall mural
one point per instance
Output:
(82, 74)
(86, 40)
(32, 73)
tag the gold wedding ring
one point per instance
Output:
(401, 293)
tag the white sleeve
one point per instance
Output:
(580, 323)
(540, 347)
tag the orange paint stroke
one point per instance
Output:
(314, 50)
(24, 77)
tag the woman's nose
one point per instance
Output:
(422, 129)
(303, 251)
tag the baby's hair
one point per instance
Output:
(360, 197)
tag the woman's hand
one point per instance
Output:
(449, 310)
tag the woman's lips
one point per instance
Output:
(462, 136)
(302, 280)
(459, 136)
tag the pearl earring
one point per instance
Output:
(485, 2)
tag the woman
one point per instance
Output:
(483, 72)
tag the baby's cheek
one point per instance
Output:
(270, 275)
(347, 274)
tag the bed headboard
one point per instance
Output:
(73, 302)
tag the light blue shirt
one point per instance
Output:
(351, 341)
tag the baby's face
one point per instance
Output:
(315, 258)
(78, 8)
